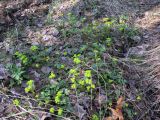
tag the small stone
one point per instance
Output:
(51, 41)
(36, 74)
(138, 51)
(158, 29)
(50, 31)
(53, 82)
(137, 39)
(35, 43)
(146, 36)
(55, 32)
(101, 99)
(46, 38)
(156, 14)
(46, 70)
(3, 72)
(1, 44)
(79, 110)
(39, 24)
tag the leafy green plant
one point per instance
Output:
(79, 82)
(16, 102)
(58, 97)
(23, 58)
(72, 26)
(76, 59)
(30, 87)
(52, 75)
(60, 111)
(16, 74)
(94, 117)
(54, 93)
(85, 69)
(34, 48)
(106, 31)
(52, 110)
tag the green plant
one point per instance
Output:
(52, 75)
(15, 32)
(72, 26)
(49, 20)
(106, 31)
(60, 111)
(16, 102)
(34, 48)
(54, 93)
(76, 59)
(23, 58)
(52, 110)
(94, 117)
(58, 97)
(16, 74)
(30, 87)
(79, 82)
(89, 69)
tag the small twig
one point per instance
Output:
(14, 115)
(26, 110)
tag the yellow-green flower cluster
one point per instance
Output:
(76, 59)
(80, 81)
(62, 66)
(47, 58)
(52, 75)
(88, 80)
(34, 48)
(74, 85)
(30, 86)
(60, 111)
(16, 102)
(51, 110)
(74, 74)
(37, 65)
(58, 97)
(22, 57)
(105, 19)
(109, 41)
(87, 74)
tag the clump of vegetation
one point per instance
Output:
(16, 102)
(112, 32)
(80, 73)
(30, 86)
(16, 74)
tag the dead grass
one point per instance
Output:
(149, 82)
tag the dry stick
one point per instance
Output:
(19, 118)
(153, 50)
(26, 110)
(98, 84)
(23, 97)
(36, 111)
(146, 112)
(97, 72)
(30, 112)
(14, 115)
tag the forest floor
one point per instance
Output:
(75, 59)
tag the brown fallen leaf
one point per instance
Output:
(117, 112)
